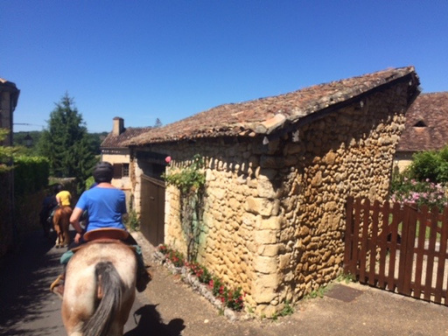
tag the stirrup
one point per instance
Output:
(57, 286)
(57, 282)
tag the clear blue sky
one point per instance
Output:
(142, 60)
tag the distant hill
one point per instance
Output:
(19, 139)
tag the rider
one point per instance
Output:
(63, 197)
(62, 214)
(46, 212)
(105, 206)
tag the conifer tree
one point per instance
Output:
(66, 143)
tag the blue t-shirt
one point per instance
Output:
(105, 207)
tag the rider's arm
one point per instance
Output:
(74, 219)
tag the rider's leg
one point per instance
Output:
(58, 285)
(143, 277)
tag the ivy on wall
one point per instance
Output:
(190, 180)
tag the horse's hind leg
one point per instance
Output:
(66, 225)
(56, 225)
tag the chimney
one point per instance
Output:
(118, 126)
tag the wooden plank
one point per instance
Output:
(364, 239)
(382, 243)
(438, 292)
(431, 254)
(396, 212)
(408, 240)
(373, 242)
(422, 217)
(355, 240)
(348, 235)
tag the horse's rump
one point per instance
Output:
(61, 224)
(99, 289)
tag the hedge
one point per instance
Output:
(30, 174)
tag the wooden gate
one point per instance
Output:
(152, 213)
(397, 248)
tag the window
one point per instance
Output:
(121, 170)
(125, 169)
(421, 123)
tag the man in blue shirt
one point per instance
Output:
(105, 206)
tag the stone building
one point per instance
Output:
(118, 155)
(9, 96)
(426, 128)
(278, 173)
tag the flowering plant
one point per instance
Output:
(175, 257)
(231, 298)
(199, 271)
(419, 193)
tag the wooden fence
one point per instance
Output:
(398, 248)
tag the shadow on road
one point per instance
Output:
(25, 276)
(149, 322)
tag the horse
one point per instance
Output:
(61, 224)
(99, 288)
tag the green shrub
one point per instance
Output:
(432, 165)
(30, 174)
(132, 221)
(419, 193)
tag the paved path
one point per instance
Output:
(170, 308)
(27, 307)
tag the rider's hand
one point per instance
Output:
(78, 237)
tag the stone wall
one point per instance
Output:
(349, 153)
(274, 214)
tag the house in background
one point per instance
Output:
(426, 128)
(9, 96)
(278, 173)
(113, 151)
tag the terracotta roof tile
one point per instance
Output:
(426, 125)
(249, 117)
(114, 141)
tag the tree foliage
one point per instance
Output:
(158, 123)
(66, 143)
(7, 153)
(431, 165)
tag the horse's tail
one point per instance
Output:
(109, 282)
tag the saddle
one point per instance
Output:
(104, 236)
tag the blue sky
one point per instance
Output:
(142, 60)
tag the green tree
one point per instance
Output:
(158, 123)
(7, 153)
(431, 165)
(67, 144)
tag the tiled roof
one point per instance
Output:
(426, 123)
(261, 115)
(114, 141)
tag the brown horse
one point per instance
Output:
(61, 224)
(99, 289)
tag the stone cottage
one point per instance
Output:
(426, 128)
(278, 173)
